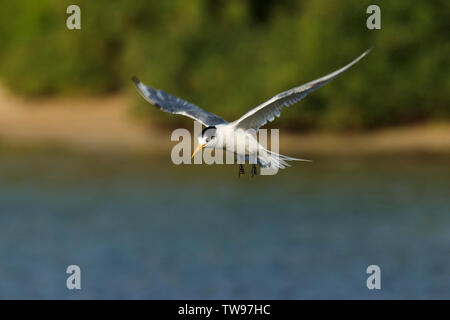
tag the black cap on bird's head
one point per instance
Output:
(209, 132)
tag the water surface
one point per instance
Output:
(144, 228)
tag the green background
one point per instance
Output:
(229, 56)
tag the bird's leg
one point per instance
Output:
(241, 170)
(254, 171)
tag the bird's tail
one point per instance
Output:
(269, 159)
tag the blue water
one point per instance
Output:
(144, 228)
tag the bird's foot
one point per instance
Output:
(241, 170)
(254, 171)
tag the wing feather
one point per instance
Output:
(174, 105)
(267, 111)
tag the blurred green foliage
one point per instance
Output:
(228, 56)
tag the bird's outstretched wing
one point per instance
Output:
(172, 104)
(270, 109)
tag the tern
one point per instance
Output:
(218, 132)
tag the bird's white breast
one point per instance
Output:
(236, 141)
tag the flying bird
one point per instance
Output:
(220, 134)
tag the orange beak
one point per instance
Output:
(198, 148)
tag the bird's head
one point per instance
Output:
(207, 139)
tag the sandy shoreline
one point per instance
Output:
(105, 125)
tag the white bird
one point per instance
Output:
(219, 133)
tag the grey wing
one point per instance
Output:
(270, 109)
(172, 104)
